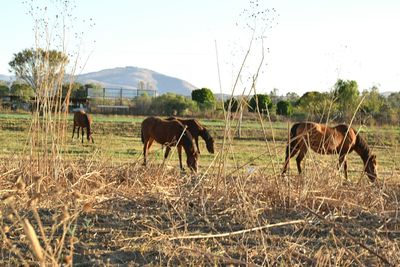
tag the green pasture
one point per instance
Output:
(117, 139)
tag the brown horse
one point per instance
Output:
(82, 120)
(340, 140)
(196, 130)
(170, 133)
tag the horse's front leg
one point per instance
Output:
(73, 131)
(343, 162)
(82, 134)
(167, 150)
(180, 157)
(196, 139)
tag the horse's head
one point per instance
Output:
(209, 140)
(210, 145)
(371, 168)
(192, 160)
(89, 134)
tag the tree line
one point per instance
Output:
(343, 103)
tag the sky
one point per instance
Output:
(304, 46)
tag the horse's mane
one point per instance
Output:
(187, 139)
(362, 147)
(205, 134)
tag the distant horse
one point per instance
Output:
(196, 130)
(83, 120)
(340, 140)
(170, 133)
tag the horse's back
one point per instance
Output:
(163, 131)
(82, 119)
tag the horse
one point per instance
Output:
(83, 120)
(196, 130)
(341, 140)
(170, 133)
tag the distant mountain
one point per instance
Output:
(129, 77)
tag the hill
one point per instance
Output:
(129, 77)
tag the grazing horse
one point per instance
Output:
(83, 120)
(196, 130)
(340, 140)
(170, 133)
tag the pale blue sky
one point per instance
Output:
(314, 43)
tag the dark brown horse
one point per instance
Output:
(196, 130)
(83, 120)
(170, 133)
(340, 140)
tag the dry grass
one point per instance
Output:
(96, 213)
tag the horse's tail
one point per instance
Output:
(293, 131)
(141, 135)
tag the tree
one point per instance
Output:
(204, 98)
(284, 108)
(394, 100)
(36, 66)
(4, 90)
(347, 97)
(22, 90)
(78, 90)
(171, 104)
(292, 97)
(234, 104)
(95, 88)
(260, 102)
(142, 104)
(314, 104)
(373, 101)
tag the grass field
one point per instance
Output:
(105, 208)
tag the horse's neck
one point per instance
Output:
(189, 149)
(363, 152)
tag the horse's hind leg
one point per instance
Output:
(299, 158)
(291, 151)
(147, 144)
(167, 150)
(343, 161)
(82, 134)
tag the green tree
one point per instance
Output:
(142, 104)
(234, 104)
(284, 108)
(171, 104)
(292, 97)
(347, 97)
(35, 66)
(4, 90)
(78, 90)
(22, 90)
(314, 104)
(95, 89)
(204, 98)
(393, 100)
(260, 102)
(373, 101)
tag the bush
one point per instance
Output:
(284, 108)
(263, 102)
